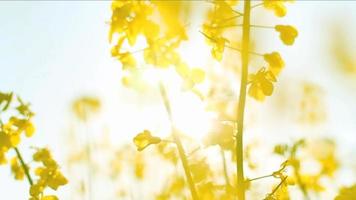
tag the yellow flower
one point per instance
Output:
(127, 60)
(312, 182)
(206, 191)
(287, 33)
(261, 84)
(6, 98)
(55, 179)
(49, 175)
(275, 62)
(162, 53)
(346, 193)
(200, 170)
(2, 157)
(139, 167)
(36, 189)
(177, 185)
(8, 138)
(167, 152)
(49, 197)
(41, 155)
(218, 48)
(324, 151)
(85, 106)
(24, 109)
(191, 77)
(22, 125)
(131, 18)
(144, 139)
(277, 6)
(16, 169)
(222, 135)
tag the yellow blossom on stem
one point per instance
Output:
(275, 62)
(16, 169)
(144, 139)
(36, 190)
(22, 125)
(49, 197)
(277, 6)
(49, 175)
(218, 48)
(261, 84)
(162, 53)
(287, 33)
(2, 157)
(346, 193)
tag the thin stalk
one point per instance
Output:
(226, 175)
(278, 186)
(250, 52)
(239, 25)
(301, 184)
(88, 152)
(231, 47)
(261, 26)
(24, 166)
(176, 138)
(256, 5)
(242, 99)
(297, 172)
(260, 177)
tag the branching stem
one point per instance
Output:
(231, 47)
(179, 144)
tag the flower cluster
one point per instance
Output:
(219, 18)
(10, 132)
(10, 138)
(277, 7)
(85, 106)
(216, 25)
(49, 175)
(261, 84)
(133, 19)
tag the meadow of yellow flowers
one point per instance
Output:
(226, 125)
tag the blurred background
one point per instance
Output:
(54, 53)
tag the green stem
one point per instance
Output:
(301, 184)
(250, 52)
(24, 166)
(226, 175)
(261, 177)
(276, 188)
(242, 99)
(261, 26)
(297, 171)
(179, 144)
(231, 47)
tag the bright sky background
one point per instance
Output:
(54, 52)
